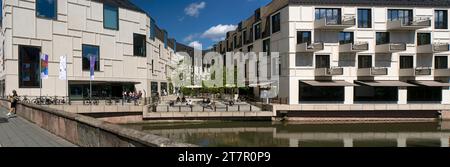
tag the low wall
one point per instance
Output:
(89, 132)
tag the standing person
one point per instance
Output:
(13, 99)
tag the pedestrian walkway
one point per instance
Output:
(17, 132)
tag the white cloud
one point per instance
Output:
(190, 37)
(196, 45)
(194, 9)
(218, 32)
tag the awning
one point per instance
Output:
(103, 82)
(432, 83)
(263, 84)
(385, 83)
(328, 83)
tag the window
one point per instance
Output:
(364, 61)
(139, 45)
(29, 74)
(152, 29)
(441, 62)
(382, 38)
(323, 61)
(440, 19)
(153, 69)
(345, 37)
(304, 37)
(110, 17)
(404, 15)
(235, 42)
(250, 48)
(406, 62)
(276, 23)
(266, 46)
(46, 9)
(364, 18)
(245, 37)
(331, 15)
(88, 51)
(257, 31)
(423, 38)
(165, 39)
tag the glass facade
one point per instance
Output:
(110, 17)
(29, 75)
(139, 45)
(88, 51)
(46, 9)
(304, 37)
(440, 19)
(364, 18)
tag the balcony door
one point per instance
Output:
(441, 62)
(406, 62)
(322, 61)
(404, 15)
(364, 61)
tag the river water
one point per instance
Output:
(270, 134)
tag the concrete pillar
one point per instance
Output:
(445, 115)
(403, 95)
(293, 143)
(401, 142)
(445, 142)
(349, 94)
(445, 96)
(293, 91)
(348, 142)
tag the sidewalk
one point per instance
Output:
(17, 132)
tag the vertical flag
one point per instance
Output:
(44, 66)
(92, 63)
(63, 68)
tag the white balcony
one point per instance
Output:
(411, 72)
(324, 72)
(335, 24)
(423, 71)
(354, 47)
(433, 48)
(415, 24)
(374, 71)
(390, 48)
(310, 47)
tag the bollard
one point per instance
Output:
(250, 107)
(226, 108)
(168, 109)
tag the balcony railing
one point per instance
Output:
(433, 48)
(354, 47)
(329, 71)
(390, 47)
(374, 71)
(335, 24)
(442, 72)
(310, 47)
(423, 71)
(414, 24)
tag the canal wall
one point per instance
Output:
(86, 131)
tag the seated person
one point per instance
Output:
(178, 99)
(183, 100)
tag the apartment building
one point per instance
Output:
(352, 52)
(132, 52)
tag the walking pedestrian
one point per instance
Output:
(13, 99)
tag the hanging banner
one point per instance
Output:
(44, 66)
(63, 68)
(92, 58)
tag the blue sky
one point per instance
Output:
(198, 22)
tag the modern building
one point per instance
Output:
(352, 52)
(132, 52)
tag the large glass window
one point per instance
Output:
(364, 61)
(441, 62)
(110, 17)
(29, 75)
(383, 38)
(333, 16)
(423, 38)
(154, 88)
(139, 45)
(266, 46)
(276, 23)
(304, 37)
(323, 61)
(424, 94)
(406, 62)
(345, 37)
(440, 19)
(373, 94)
(404, 15)
(320, 94)
(364, 18)
(46, 9)
(257, 31)
(88, 51)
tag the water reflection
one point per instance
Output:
(269, 134)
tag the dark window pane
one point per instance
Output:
(441, 62)
(46, 9)
(276, 23)
(382, 38)
(364, 18)
(29, 75)
(139, 45)
(110, 17)
(423, 38)
(406, 62)
(322, 61)
(257, 31)
(320, 94)
(364, 61)
(345, 37)
(441, 19)
(88, 51)
(304, 37)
